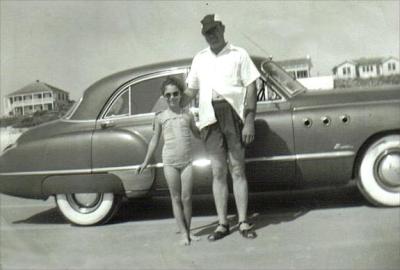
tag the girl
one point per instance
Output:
(175, 123)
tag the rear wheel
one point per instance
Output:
(88, 208)
(380, 172)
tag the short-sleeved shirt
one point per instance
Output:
(176, 130)
(228, 73)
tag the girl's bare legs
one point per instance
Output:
(187, 186)
(173, 178)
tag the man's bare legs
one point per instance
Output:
(220, 189)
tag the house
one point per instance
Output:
(298, 68)
(367, 68)
(37, 96)
(390, 66)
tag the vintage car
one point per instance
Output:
(304, 139)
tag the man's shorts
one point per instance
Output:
(224, 136)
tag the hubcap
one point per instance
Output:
(85, 202)
(388, 168)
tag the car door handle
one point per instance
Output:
(107, 124)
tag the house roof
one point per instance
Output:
(369, 61)
(345, 62)
(389, 58)
(35, 87)
(365, 61)
(294, 62)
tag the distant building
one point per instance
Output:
(298, 68)
(367, 68)
(37, 96)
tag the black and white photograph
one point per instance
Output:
(199, 134)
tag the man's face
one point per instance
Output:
(215, 37)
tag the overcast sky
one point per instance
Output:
(72, 44)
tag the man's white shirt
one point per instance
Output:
(228, 74)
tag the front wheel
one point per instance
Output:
(88, 208)
(380, 172)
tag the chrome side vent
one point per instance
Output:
(345, 118)
(326, 121)
(307, 122)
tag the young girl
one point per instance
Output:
(176, 125)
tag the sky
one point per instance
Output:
(72, 44)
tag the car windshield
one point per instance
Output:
(289, 85)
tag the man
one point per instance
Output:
(224, 76)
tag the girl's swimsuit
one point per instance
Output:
(177, 138)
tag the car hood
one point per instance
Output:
(345, 96)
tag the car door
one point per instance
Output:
(270, 158)
(125, 129)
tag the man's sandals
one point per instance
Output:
(248, 233)
(223, 230)
(219, 233)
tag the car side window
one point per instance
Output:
(266, 92)
(146, 96)
(120, 106)
(141, 97)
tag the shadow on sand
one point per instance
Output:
(264, 208)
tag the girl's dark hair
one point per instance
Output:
(172, 81)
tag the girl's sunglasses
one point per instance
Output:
(173, 94)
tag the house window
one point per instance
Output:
(346, 71)
(392, 66)
(302, 74)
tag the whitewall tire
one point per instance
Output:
(379, 174)
(88, 208)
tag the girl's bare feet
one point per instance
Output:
(194, 237)
(185, 240)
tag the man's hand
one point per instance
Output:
(248, 132)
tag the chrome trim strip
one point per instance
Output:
(303, 156)
(326, 155)
(80, 171)
(126, 168)
(76, 121)
(345, 104)
(276, 158)
(160, 165)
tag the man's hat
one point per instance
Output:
(209, 21)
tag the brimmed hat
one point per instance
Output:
(210, 21)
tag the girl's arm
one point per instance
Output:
(193, 127)
(152, 145)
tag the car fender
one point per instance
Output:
(82, 183)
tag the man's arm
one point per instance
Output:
(248, 132)
(188, 95)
